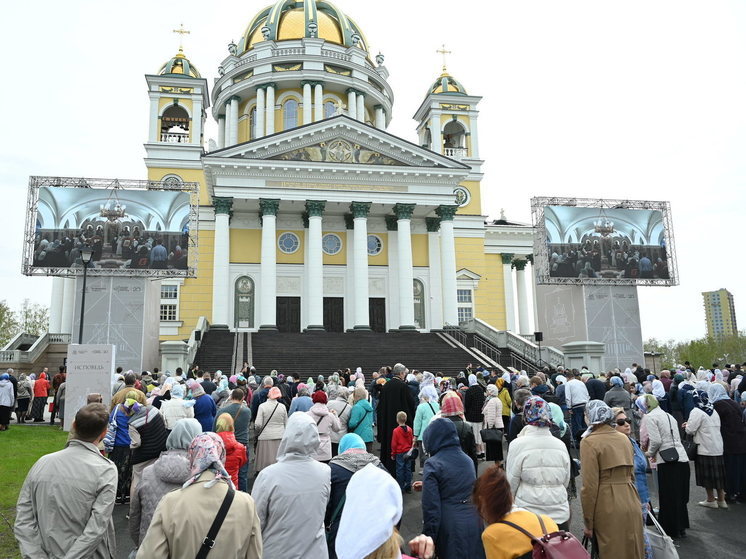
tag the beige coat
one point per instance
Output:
(275, 423)
(609, 495)
(184, 516)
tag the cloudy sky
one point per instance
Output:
(636, 100)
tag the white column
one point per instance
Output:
(360, 220)
(437, 145)
(268, 266)
(392, 302)
(534, 305)
(234, 121)
(68, 306)
(270, 118)
(351, 103)
(508, 287)
(315, 209)
(154, 133)
(197, 122)
(307, 104)
(221, 261)
(360, 112)
(404, 240)
(318, 102)
(221, 131)
(448, 264)
(380, 118)
(435, 305)
(55, 308)
(260, 113)
(474, 138)
(520, 278)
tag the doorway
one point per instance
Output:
(288, 314)
(377, 314)
(334, 314)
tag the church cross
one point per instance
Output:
(181, 31)
(442, 50)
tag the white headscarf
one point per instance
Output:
(659, 390)
(472, 379)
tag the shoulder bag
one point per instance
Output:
(662, 545)
(690, 447)
(557, 545)
(209, 542)
(670, 454)
(256, 437)
(352, 429)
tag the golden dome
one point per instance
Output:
(179, 64)
(447, 84)
(290, 19)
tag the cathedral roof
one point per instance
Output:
(179, 64)
(290, 19)
(447, 84)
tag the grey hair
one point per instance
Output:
(267, 381)
(303, 391)
(399, 369)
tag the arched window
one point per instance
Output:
(419, 303)
(252, 124)
(329, 109)
(175, 125)
(290, 114)
(244, 303)
(454, 140)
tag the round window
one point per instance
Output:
(288, 243)
(375, 245)
(462, 196)
(331, 244)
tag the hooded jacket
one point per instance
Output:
(283, 506)
(448, 516)
(326, 422)
(361, 420)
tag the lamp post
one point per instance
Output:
(85, 255)
(653, 354)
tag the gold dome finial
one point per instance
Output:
(181, 31)
(442, 50)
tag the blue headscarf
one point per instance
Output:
(351, 440)
(617, 381)
(702, 401)
(5, 376)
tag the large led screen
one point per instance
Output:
(130, 231)
(604, 241)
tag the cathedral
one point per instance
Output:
(311, 215)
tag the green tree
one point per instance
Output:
(669, 350)
(33, 318)
(8, 324)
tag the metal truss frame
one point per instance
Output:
(541, 252)
(36, 182)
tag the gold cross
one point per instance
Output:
(181, 31)
(444, 52)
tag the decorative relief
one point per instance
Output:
(288, 285)
(338, 151)
(452, 107)
(183, 90)
(334, 286)
(337, 70)
(286, 67)
(376, 287)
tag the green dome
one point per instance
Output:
(447, 84)
(179, 65)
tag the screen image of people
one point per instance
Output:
(125, 229)
(606, 243)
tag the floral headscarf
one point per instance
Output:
(207, 452)
(647, 403)
(702, 401)
(451, 405)
(536, 412)
(598, 413)
(196, 388)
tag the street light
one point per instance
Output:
(653, 354)
(85, 255)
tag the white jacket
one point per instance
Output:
(706, 431)
(661, 427)
(538, 469)
(269, 425)
(174, 409)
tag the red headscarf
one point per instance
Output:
(319, 397)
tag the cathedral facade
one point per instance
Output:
(312, 216)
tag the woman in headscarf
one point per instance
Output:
(709, 466)
(617, 396)
(362, 417)
(342, 409)
(473, 404)
(204, 406)
(447, 513)
(222, 394)
(326, 422)
(673, 477)
(352, 457)
(426, 410)
(41, 392)
(659, 391)
(492, 411)
(167, 473)
(302, 402)
(291, 495)
(538, 465)
(503, 392)
(23, 397)
(611, 507)
(453, 408)
(733, 432)
(271, 418)
(182, 518)
(118, 443)
(176, 407)
(7, 399)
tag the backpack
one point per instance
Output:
(557, 545)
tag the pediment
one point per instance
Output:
(340, 140)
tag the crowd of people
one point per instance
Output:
(252, 466)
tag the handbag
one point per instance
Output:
(491, 435)
(557, 545)
(209, 542)
(662, 545)
(670, 454)
(51, 407)
(690, 447)
(593, 544)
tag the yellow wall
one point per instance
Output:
(489, 301)
(381, 259)
(420, 254)
(195, 298)
(474, 207)
(339, 259)
(188, 175)
(297, 256)
(246, 246)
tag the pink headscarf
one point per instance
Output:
(207, 452)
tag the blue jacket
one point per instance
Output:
(260, 396)
(123, 427)
(204, 411)
(641, 477)
(447, 513)
(361, 418)
(686, 398)
(301, 403)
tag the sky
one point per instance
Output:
(598, 99)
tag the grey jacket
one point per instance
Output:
(82, 485)
(169, 472)
(283, 506)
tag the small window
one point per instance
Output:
(288, 243)
(168, 313)
(375, 245)
(169, 291)
(331, 244)
(290, 114)
(464, 295)
(252, 125)
(329, 109)
(464, 314)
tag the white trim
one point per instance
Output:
(163, 109)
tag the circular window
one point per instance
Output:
(331, 244)
(462, 196)
(172, 180)
(375, 245)
(288, 243)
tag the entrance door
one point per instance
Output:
(288, 314)
(334, 314)
(377, 313)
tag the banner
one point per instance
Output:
(90, 369)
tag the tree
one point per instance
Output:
(33, 318)
(8, 324)
(669, 352)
